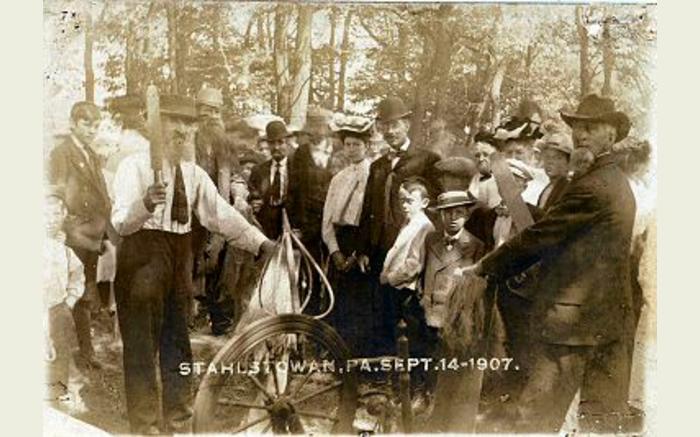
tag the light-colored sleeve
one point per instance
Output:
(129, 212)
(76, 279)
(413, 263)
(219, 216)
(327, 229)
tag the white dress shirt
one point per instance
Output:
(129, 213)
(64, 279)
(344, 201)
(405, 260)
(404, 147)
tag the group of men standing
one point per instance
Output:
(575, 317)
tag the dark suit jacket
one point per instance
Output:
(270, 216)
(377, 235)
(86, 198)
(583, 244)
(557, 191)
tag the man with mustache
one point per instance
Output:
(154, 267)
(581, 312)
(381, 217)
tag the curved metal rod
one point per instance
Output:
(321, 275)
(309, 274)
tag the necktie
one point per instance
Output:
(449, 242)
(178, 211)
(276, 189)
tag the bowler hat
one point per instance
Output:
(210, 97)
(596, 108)
(276, 130)
(455, 173)
(452, 199)
(391, 108)
(177, 106)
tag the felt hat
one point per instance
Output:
(391, 108)
(452, 199)
(518, 128)
(178, 106)
(276, 130)
(557, 141)
(596, 108)
(210, 97)
(455, 173)
(318, 122)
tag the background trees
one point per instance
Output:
(461, 68)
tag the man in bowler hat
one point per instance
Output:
(381, 217)
(581, 309)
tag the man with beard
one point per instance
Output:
(154, 273)
(484, 186)
(381, 217)
(581, 311)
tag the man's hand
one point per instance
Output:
(155, 195)
(339, 261)
(363, 263)
(469, 270)
(266, 250)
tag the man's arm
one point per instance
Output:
(129, 211)
(575, 212)
(219, 216)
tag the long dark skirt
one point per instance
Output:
(353, 315)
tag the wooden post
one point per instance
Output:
(404, 379)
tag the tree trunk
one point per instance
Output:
(331, 63)
(495, 94)
(130, 79)
(344, 52)
(443, 60)
(87, 56)
(417, 131)
(302, 76)
(584, 61)
(281, 62)
(608, 59)
(260, 25)
(171, 13)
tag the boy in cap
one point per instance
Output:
(154, 274)
(454, 310)
(556, 155)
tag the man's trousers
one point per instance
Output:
(153, 291)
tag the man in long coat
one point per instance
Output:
(582, 305)
(382, 217)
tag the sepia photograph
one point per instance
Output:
(350, 218)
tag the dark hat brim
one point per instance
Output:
(618, 119)
(395, 117)
(275, 138)
(455, 204)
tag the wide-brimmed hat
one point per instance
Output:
(210, 97)
(596, 108)
(177, 106)
(455, 173)
(391, 108)
(276, 130)
(556, 141)
(318, 122)
(353, 125)
(452, 199)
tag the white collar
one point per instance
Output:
(455, 237)
(406, 144)
(78, 143)
(282, 163)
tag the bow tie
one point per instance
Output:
(391, 154)
(450, 242)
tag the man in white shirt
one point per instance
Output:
(153, 283)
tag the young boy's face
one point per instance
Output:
(55, 214)
(412, 202)
(453, 219)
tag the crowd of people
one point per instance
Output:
(526, 253)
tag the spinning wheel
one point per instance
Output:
(283, 374)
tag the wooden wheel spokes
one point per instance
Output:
(317, 415)
(250, 424)
(261, 387)
(303, 383)
(230, 403)
(318, 392)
